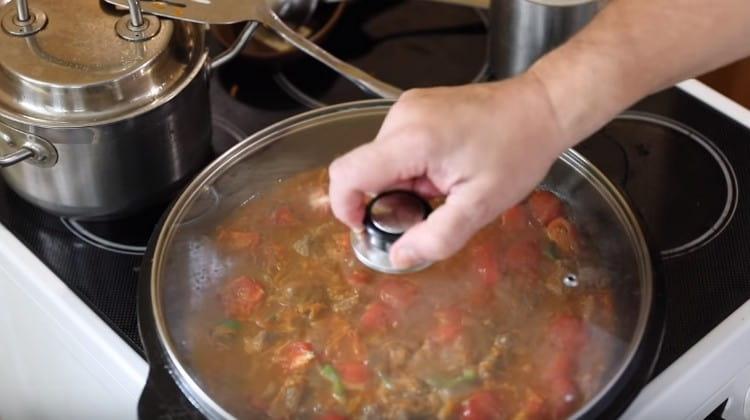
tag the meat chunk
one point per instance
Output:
(452, 356)
(492, 360)
(343, 298)
(235, 240)
(257, 343)
(398, 355)
(287, 401)
(409, 398)
(561, 232)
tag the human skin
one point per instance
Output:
(486, 146)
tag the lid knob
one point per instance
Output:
(23, 22)
(387, 217)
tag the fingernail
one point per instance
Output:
(404, 258)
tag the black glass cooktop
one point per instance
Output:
(683, 165)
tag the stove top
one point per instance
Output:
(683, 164)
(684, 167)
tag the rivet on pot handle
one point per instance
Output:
(25, 147)
(22, 21)
(135, 26)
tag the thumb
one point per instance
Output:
(447, 229)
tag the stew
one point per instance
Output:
(519, 325)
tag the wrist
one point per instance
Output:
(586, 87)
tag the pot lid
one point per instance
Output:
(77, 70)
(262, 306)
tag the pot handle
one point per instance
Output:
(235, 48)
(360, 78)
(25, 147)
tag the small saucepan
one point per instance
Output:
(101, 113)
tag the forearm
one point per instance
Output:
(634, 48)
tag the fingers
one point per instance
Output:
(448, 228)
(368, 169)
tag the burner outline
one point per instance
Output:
(229, 127)
(96, 241)
(74, 226)
(730, 178)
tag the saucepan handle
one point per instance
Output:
(363, 80)
(25, 147)
(236, 47)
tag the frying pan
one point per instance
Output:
(180, 264)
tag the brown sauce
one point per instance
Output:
(302, 330)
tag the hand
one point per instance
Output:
(484, 147)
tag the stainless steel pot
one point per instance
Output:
(101, 113)
(184, 266)
(521, 31)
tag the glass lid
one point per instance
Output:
(265, 311)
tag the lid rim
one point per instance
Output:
(131, 112)
(263, 138)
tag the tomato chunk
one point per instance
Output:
(450, 325)
(332, 416)
(561, 232)
(515, 218)
(523, 257)
(283, 216)
(545, 206)
(563, 396)
(482, 405)
(532, 407)
(355, 375)
(398, 294)
(567, 334)
(294, 355)
(487, 264)
(236, 240)
(240, 296)
(377, 316)
(566, 337)
(358, 278)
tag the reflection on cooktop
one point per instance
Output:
(445, 46)
(686, 201)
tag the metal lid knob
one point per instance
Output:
(387, 217)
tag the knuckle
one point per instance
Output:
(411, 95)
(336, 170)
